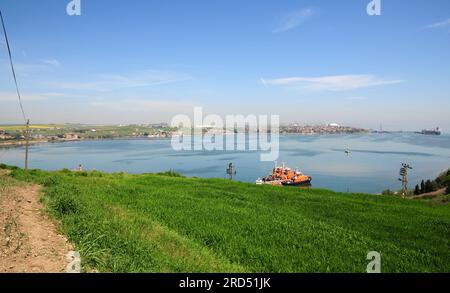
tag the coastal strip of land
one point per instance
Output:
(15, 135)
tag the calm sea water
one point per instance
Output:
(372, 166)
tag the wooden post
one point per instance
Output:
(27, 142)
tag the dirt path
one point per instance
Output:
(431, 194)
(29, 241)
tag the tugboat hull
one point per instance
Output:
(301, 183)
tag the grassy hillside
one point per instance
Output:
(160, 223)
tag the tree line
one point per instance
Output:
(443, 181)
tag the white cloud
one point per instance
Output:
(26, 69)
(52, 62)
(145, 106)
(356, 98)
(12, 96)
(293, 20)
(440, 24)
(108, 82)
(30, 69)
(27, 96)
(23, 68)
(62, 95)
(331, 83)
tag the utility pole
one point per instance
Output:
(231, 171)
(348, 152)
(404, 177)
(27, 142)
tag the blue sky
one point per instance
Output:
(308, 61)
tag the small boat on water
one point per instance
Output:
(285, 176)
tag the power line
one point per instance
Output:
(12, 68)
(27, 121)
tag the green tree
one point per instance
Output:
(447, 191)
(422, 187)
(428, 186)
(438, 182)
(434, 186)
(387, 192)
(417, 190)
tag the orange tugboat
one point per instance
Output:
(285, 176)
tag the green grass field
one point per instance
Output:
(160, 223)
(22, 127)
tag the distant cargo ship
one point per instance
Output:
(436, 131)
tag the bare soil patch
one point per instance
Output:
(29, 240)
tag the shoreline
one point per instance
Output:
(17, 144)
(21, 143)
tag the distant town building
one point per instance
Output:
(71, 136)
(5, 136)
(320, 129)
(334, 125)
